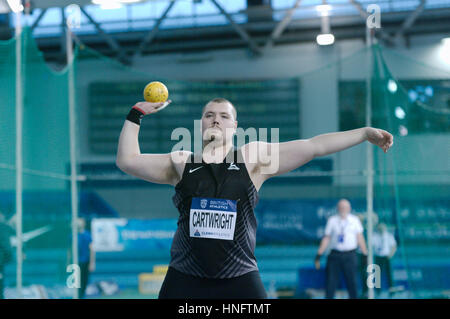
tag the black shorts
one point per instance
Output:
(178, 285)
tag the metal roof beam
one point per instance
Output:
(38, 19)
(409, 21)
(152, 34)
(242, 33)
(109, 39)
(282, 25)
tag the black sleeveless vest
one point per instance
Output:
(216, 258)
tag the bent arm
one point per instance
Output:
(155, 168)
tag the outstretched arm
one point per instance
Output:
(334, 142)
(283, 157)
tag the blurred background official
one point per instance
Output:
(344, 233)
(384, 247)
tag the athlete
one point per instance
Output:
(212, 253)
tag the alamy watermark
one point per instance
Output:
(373, 21)
(74, 279)
(73, 16)
(373, 276)
(262, 152)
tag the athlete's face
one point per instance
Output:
(218, 122)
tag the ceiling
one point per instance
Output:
(258, 33)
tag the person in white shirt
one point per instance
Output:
(384, 248)
(344, 233)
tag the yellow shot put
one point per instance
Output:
(156, 92)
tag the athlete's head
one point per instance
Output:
(344, 207)
(219, 121)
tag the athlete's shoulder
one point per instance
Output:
(179, 160)
(249, 151)
(180, 157)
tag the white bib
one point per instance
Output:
(212, 218)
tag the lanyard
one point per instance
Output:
(343, 226)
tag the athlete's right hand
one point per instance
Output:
(149, 107)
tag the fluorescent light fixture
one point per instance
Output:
(15, 5)
(392, 86)
(324, 9)
(400, 113)
(325, 39)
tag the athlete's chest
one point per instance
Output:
(223, 180)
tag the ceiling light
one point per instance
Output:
(325, 39)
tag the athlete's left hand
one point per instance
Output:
(380, 137)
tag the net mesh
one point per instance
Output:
(409, 99)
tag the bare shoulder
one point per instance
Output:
(179, 159)
(253, 151)
(250, 153)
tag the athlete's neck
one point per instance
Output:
(214, 152)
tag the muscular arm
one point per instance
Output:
(279, 158)
(155, 168)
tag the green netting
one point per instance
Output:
(45, 140)
(417, 111)
(411, 194)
